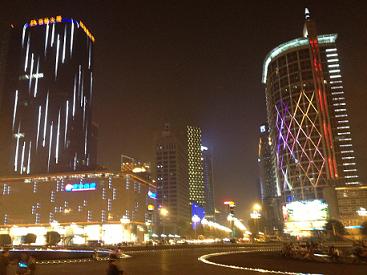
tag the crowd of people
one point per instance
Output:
(25, 265)
(319, 252)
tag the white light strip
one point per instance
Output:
(17, 151)
(336, 87)
(74, 97)
(205, 260)
(29, 158)
(38, 124)
(336, 82)
(348, 158)
(71, 38)
(348, 151)
(331, 50)
(31, 73)
(23, 34)
(50, 147)
(66, 122)
(64, 46)
(45, 124)
(57, 55)
(350, 170)
(46, 38)
(333, 65)
(86, 140)
(22, 159)
(334, 71)
(331, 55)
(335, 76)
(57, 139)
(36, 83)
(90, 55)
(333, 60)
(26, 56)
(15, 107)
(85, 102)
(53, 35)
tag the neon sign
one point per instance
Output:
(76, 187)
(45, 21)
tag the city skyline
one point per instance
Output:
(230, 130)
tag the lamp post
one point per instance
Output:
(163, 212)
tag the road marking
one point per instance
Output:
(205, 260)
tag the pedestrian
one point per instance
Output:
(32, 265)
(113, 269)
(4, 262)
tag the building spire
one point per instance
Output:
(309, 28)
(307, 14)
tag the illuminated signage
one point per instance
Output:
(152, 195)
(45, 21)
(88, 33)
(89, 186)
(59, 19)
(262, 129)
(362, 212)
(230, 203)
(150, 207)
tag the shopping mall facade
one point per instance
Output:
(82, 206)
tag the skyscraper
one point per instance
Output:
(171, 173)
(270, 196)
(195, 166)
(46, 115)
(208, 181)
(307, 115)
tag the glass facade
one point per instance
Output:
(47, 107)
(307, 115)
(208, 181)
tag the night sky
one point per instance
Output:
(200, 62)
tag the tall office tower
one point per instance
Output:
(171, 173)
(270, 196)
(195, 166)
(47, 107)
(307, 115)
(208, 182)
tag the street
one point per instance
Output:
(185, 261)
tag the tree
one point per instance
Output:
(53, 238)
(335, 227)
(29, 238)
(364, 228)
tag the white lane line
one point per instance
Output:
(205, 260)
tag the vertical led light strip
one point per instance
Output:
(45, 123)
(57, 139)
(64, 46)
(38, 125)
(31, 73)
(46, 38)
(17, 151)
(57, 55)
(22, 159)
(29, 158)
(23, 34)
(74, 97)
(15, 108)
(50, 147)
(26, 55)
(66, 122)
(71, 38)
(53, 35)
(36, 81)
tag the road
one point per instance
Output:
(185, 261)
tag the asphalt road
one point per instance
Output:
(185, 261)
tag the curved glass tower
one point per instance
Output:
(307, 115)
(46, 114)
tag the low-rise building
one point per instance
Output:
(91, 206)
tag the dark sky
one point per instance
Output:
(200, 62)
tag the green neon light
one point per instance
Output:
(295, 43)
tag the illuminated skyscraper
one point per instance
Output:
(307, 115)
(171, 173)
(46, 115)
(208, 181)
(195, 166)
(270, 196)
